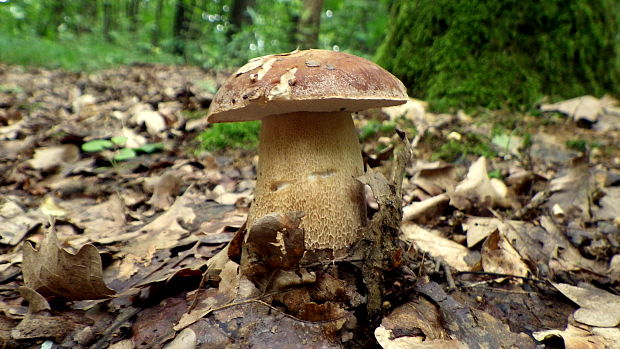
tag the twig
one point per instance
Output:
(448, 271)
(499, 275)
(124, 316)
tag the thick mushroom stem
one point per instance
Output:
(309, 162)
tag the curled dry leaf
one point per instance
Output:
(154, 121)
(36, 302)
(52, 271)
(477, 189)
(584, 108)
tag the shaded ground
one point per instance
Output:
(499, 248)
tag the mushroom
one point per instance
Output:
(309, 153)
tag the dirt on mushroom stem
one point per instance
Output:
(309, 162)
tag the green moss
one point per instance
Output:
(458, 53)
(242, 135)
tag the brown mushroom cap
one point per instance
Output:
(311, 81)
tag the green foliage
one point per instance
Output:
(471, 144)
(242, 135)
(97, 145)
(75, 54)
(503, 53)
(121, 153)
(374, 127)
(581, 145)
(91, 34)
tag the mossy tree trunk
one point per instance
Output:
(309, 24)
(462, 53)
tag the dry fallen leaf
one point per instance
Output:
(457, 256)
(154, 121)
(585, 108)
(477, 189)
(498, 256)
(416, 324)
(52, 271)
(598, 307)
(478, 228)
(435, 177)
(575, 338)
(186, 339)
(212, 298)
(425, 208)
(164, 188)
(573, 191)
(50, 157)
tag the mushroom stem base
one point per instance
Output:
(309, 162)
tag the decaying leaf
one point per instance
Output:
(274, 242)
(57, 327)
(169, 221)
(598, 307)
(416, 324)
(475, 328)
(213, 298)
(52, 271)
(104, 219)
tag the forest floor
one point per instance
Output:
(109, 215)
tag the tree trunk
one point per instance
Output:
(52, 18)
(133, 8)
(309, 24)
(178, 28)
(159, 7)
(239, 15)
(107, 19)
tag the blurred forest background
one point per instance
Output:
(451, 53)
